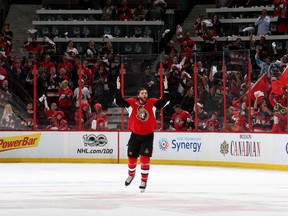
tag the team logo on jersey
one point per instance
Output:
(142, 114)
(178, 120)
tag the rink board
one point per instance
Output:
(60, 147)
(267, 151)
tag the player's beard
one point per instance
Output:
(143, 100)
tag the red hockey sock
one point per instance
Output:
(132, 163)
(145, 166)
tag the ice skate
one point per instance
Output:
(143, 186)
(129, 180)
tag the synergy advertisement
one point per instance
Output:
(183, 146)
(176, 146)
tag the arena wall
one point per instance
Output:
(260, 151)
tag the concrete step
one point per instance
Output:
(188, 23)
(116, 110)
(20, 17)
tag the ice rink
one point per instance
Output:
(41, 189)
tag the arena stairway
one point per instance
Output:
(20, 17)
(188, 25)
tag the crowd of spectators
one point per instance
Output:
(261, 112)
(62, 73)
(124, 12)
(58, 83)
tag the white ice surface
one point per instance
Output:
(98, 189)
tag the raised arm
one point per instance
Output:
(166, 97)
(120, 101)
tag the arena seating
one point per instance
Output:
(240, 12)
(120, 45)
(84, 25)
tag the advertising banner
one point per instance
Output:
(181, 146)
(171, 145)
(31, 145)
(91, 145)
(280, 149)
(224, 149)
(59, 145)
(123, 141)
(238, 147)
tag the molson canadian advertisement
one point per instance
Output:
(238, 147)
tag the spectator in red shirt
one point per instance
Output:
(66, 100)
(99, 113)
(50, 111)
(4, 48)
(185, 51)
(65, 96)
(241, 118)
(87, 75)
(124, 12)
(101, 124)
(66, 65)
(58, 122)
(186, 37)
(86, 116)
(213, 124)
(278, 5)
(282, 22)
(34, 48)
(47, 63)
(262, 115)
(181, 120)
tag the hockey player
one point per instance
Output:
(142, 123)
